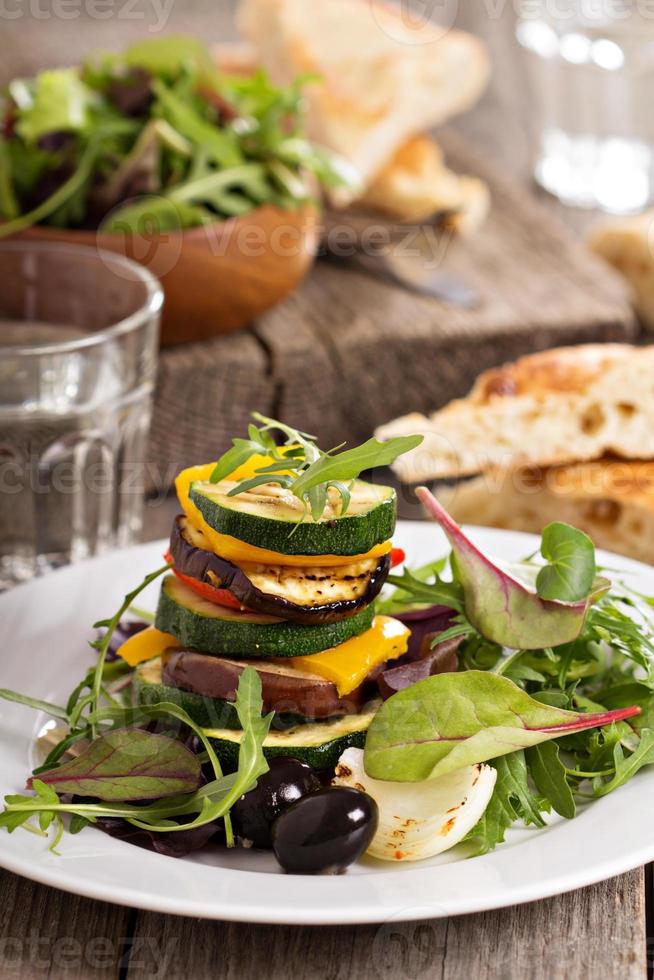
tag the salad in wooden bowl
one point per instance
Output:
(204, 177)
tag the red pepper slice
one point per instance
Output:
(221, 597)
(397, 557)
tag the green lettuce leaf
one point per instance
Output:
(450, 721)
(60, 104)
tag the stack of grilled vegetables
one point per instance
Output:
(257, 578)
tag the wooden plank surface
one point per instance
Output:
(598, 932)
(574, 937)
(349, 352)
(46, 933)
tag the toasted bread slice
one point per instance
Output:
(628, 245)
(416, 184)
(381, 79)
(611, 500)
(565, 405)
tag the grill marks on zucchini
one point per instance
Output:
(307, 595)
(320, 745)
(208, 628)
(272, 518)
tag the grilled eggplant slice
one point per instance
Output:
(308, 595)
(284, 689)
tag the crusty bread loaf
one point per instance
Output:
(628, 244)
(380, 79)
(564, 405)
(416, 184)
(611, 500)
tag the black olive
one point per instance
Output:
(325, 832)
(285, 782)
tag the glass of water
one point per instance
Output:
(78, 347)
(591, 68)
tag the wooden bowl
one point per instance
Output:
(217, 278)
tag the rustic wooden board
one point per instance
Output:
(573, 937)
(350, 352)
(205, 393)
(347, 352)
(46, 933)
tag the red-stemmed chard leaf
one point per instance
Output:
(501, 606)
(128, 764)
(453, 720)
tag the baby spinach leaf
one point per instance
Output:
(570, 570)
(548, 773)
(501, 606)
(127, 764)
(452, 720)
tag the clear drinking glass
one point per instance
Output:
(78, 346)
(591, 68)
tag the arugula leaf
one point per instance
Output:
(310, 473)
(207, 804)
(626, 767)
(249, 707)
(68, 189)
(449, 721)
(109, 625)
(51, 709)
(421, 593)
(127, 764)
(350, 463)
(549, 775)
(512, 800)
(570, 570)
(182, 116)
(401, 600)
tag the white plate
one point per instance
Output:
(44, 626)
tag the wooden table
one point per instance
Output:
(598, 932)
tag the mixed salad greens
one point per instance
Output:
(280, 701)
(154, 134)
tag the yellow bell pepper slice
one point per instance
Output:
(202, 473)
(348, 664)
(239, 551)
(146, 645)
